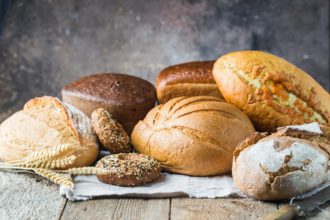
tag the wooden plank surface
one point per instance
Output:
(226, 208)
(118, 209)
(28, 197)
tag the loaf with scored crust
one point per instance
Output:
(192, 135)
(270, 90)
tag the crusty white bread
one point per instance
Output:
(44, 123)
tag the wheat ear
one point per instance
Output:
(57, 178)
(59, 163)
(48, 154)
(84, 171)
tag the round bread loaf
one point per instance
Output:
(282, 165)
(192, 135)
(186, 79)
(270, 90)
(127, 98)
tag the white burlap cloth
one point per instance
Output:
(169, 185)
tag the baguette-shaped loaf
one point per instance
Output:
(270, 90)
(192, 135)
(44, 123)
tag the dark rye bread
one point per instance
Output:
(127, 98)
(186, 79)
(192, 135)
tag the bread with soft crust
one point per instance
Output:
(46, 122)
(270, 90)
(127, 98)
(186, 79)
(192, 135)
(282, 165)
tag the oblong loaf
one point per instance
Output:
(192, 135)
(270, 90)
(46, 122)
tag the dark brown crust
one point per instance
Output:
(128, 169)
(112, 88)
(192, 72)
(110, 133)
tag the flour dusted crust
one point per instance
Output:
(282, 165)
(192, 135)
(270, 90)
(186, 79)
(46, 122)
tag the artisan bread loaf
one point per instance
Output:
(127, 98)
(270, 90)
(192, 135)
(44, 123)
(280, 166)
(186, 79)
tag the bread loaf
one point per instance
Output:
(127, 98)
(44, 123)
(270, 90)
(192, 135)
(186, 79)
(280, 166)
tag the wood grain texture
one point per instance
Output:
(226, 208)
(118, 209)
(321, 213)
(27, 196)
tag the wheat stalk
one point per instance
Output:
(59, 163)
(84, 171)
(57, 178)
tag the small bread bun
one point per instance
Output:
(192, 135)
(128, 169)
(127, 98)
(110, 133)
(186, 79)
(280, 166)
(270, 90)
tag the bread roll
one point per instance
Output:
(44, 123)
(192, 135)
(127, 98)
(186, 79)
(282, 165)
(270, 90)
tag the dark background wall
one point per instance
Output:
(46, 44)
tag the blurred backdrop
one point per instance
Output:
(46, 44)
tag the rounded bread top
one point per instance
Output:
(112, 88)
(192, 72)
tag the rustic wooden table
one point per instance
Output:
(26, 196)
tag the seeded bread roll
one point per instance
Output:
(280, 166)
(192, 135)
(128, 169)
(127, 98)
(186, 79)
(270, 90)
(110, 133)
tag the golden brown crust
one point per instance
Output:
(192, 135)
(126, 97)
(270, 90)
(110, 133)
(186, 79)
(128, 169)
